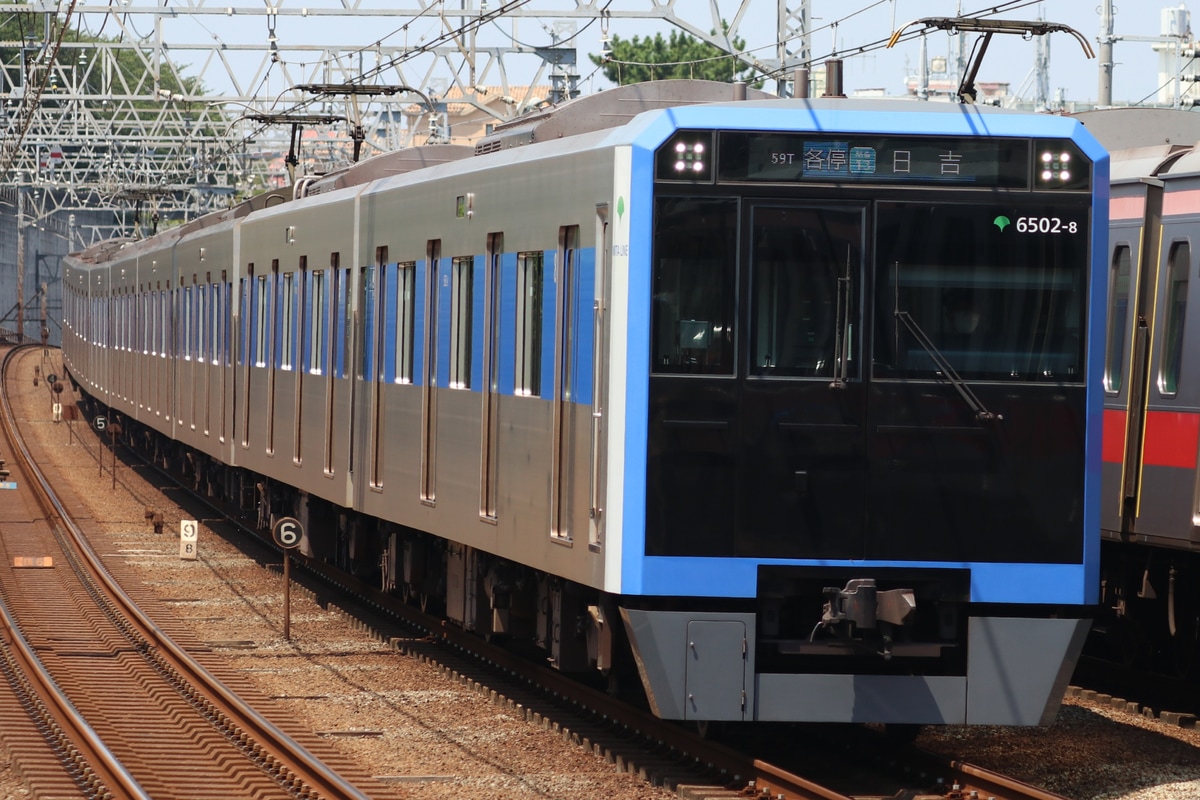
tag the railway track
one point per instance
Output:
(112, 705)
(1152, 694)
(790, 763)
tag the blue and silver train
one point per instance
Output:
(788, 408)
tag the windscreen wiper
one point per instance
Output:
(939, 360)
(842, 329)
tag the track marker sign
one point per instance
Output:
(33, 562)
(287, 532)
(189, 536)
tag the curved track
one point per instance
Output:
(120, 709)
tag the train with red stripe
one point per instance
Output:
(1150, 508)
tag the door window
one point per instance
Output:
(806, 263)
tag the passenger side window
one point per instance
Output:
(287, 298)
(1179, 264)
(406, 280)
(462, 278)
(528, 381)
(367, 309)
(317, 314)
(187, 323)
(261, 296)
(1118, 312)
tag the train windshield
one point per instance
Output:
(998, 292)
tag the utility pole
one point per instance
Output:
(1104, 96)
(793, 24)
(20, 266)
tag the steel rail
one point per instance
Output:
(307, 766)
(111, 773)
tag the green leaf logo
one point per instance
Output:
(620, 207)
(1002, 222)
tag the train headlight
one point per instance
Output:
(689, 157)
(1055, 167)
(685, 157)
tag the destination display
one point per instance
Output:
(851, 158)
(801, 157)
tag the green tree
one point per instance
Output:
(681, 56)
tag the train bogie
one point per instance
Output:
(688, 394)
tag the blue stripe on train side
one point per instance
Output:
(370, 279)
(478, 298)
(418, 349)
(293, 338)
(583, 319)
(507, 357)
(243, 324)
(442, 298)
(390, 305)
(274, 323)
(307, 316)
(342, 281)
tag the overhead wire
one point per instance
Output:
(234, 145)
(879, 44)
(741, 55)
(747, 56)
(490, 18)
(1168, 82)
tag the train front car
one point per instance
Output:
(864, 336)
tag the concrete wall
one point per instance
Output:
(44, 246)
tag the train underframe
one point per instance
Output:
(577, 627)
(1149, 618)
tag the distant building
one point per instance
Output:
(1178, 65)
(460, 118)
(945, 87)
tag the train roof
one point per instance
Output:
(1146, 143)
(611, 108)
(101, 251)
(1137, 163)
(1133, 127)
(1187, 163)
(385, 165)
